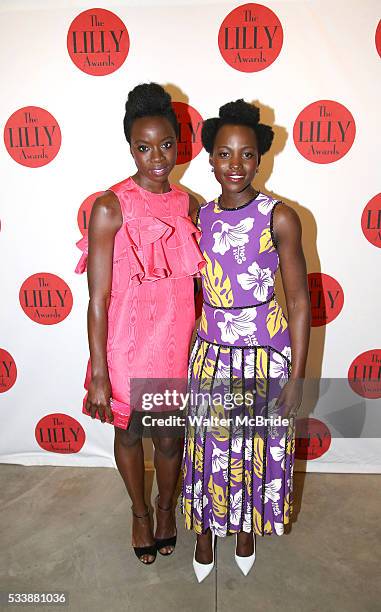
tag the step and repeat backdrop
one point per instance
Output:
(314, 68)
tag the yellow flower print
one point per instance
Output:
(217, 286)
(203, 322)
(218, 498)
(258, 456)
(257, 522)
(265, 241)
(236, 471)
(275, 319)
(187, 512)
(199, 458)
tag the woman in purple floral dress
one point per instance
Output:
(247, 364)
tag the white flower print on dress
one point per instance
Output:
(249, 365)
(248, 519)
(258, 279)
(272, 409)
(251, 340)
(217, 529)
(235, 326)
(197, 497)
(223, 369)
(239, 254)
(237, 435)
(278, 452)
(247, 522)
(235, 507)
(279, 365)
(248, 450)
(231, 235)
(271, 490)
(219, 459)
(272, 413)
(265, 204)
(279, 528)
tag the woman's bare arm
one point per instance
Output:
(287, 232)
(105, 221)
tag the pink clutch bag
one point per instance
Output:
(120, 410)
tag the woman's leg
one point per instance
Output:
(129, 457)
(167, 461)
(245, 544)
(204, 552)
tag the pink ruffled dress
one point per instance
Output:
(151, 314)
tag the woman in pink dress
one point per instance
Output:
(141, 254)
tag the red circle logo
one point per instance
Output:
(60, 433)
(189, 142)
(84, 211)
(324, 131)
(46, 298)
(32, 136)
(371, 221)
(326, 296)
(364, 374)
(378, 38)
(250, 38)
(312, 439)
(8, 371)
(98, 42)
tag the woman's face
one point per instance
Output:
(235, 157)
(154, 149)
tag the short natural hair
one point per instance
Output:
(237, 113)
(148, 100)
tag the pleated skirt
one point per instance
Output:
(238, 453)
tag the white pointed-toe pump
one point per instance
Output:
(202, 570)
(244, 563)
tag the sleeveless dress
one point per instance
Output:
(237, 472)
(151, 311)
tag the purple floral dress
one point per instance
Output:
(237, 468)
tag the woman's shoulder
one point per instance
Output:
(285, 222)
(283, 213)
(106, 206)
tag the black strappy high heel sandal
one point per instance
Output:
(144, 550)
(163, 542)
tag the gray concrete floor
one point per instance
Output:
(68, 529)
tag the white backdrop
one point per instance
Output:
(328, 53)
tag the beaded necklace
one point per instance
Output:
(237, 207)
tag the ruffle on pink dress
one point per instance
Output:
(155, 248)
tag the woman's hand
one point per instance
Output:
(290, 398)
(98, 399)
